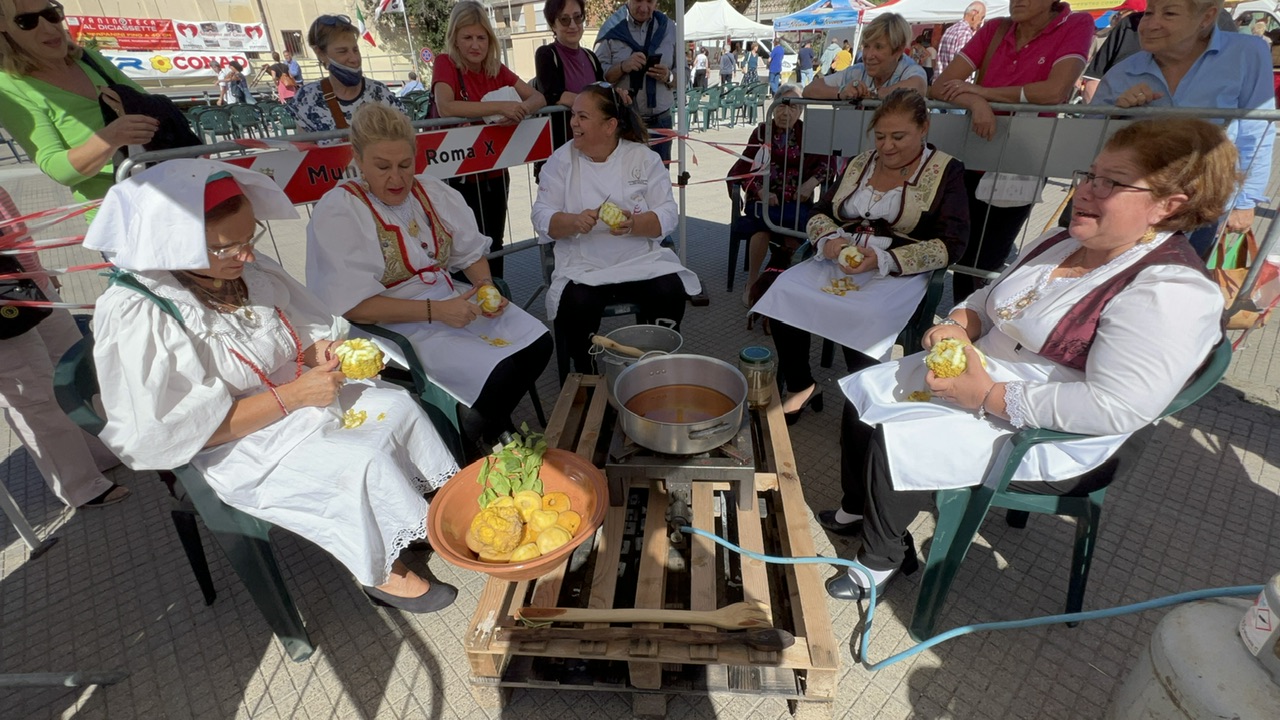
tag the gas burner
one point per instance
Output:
(732, 462)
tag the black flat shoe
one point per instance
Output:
(438, 597)
(843, 586)
(814, 399)
(827, 519)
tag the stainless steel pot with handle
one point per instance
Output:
(660, 337)
(682, 381)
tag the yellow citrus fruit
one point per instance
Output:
(493, 557)
(557, 501)
(504, 501)
(527, 551)
(526, 502)
(530, 534)
(552, 538)
(543, 519)
(569, 520)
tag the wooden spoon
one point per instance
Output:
(769, 639)
(738, 616)
(608, 344)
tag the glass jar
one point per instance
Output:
(758, 367)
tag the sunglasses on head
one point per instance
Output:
(331, 20)
(617, 101)
(29, 21)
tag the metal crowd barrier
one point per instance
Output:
(1025, 143)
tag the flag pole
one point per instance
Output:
(413, 52)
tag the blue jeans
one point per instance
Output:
(661, 121)
(775, 80)
(806, 77)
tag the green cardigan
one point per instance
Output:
(47, 121)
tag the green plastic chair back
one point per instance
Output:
(244, 538)
(961, 511)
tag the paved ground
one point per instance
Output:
(116, 593)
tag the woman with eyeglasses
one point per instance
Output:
(564, 67)
(469, 71)
(598, 263)
(50, 90)
(212, 356)
(327, 104)
(382, 249)
(1094, 330)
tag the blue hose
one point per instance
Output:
(982, 627)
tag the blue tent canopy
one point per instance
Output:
(822, 15)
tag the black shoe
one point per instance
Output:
(827, 519)
(438, 597)
(814, 399)
(843, 586)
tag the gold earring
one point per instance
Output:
(1147, 236)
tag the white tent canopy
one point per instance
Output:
(716, 20)
(934, 11)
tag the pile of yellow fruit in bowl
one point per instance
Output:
(523, 526)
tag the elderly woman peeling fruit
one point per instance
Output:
(212, 356)
(1093, 331)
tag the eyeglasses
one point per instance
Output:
(230, 251)
(1103, 186)
(574, 19)
(331, 20)
(29, 21)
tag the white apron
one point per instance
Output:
(345, 266)
(357, 493)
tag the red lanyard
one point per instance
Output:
(258, 371)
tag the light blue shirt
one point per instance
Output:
(1234, 72)
(905, 70)
(411, 86)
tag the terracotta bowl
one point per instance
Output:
(454, 505)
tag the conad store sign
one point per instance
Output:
(162, 65)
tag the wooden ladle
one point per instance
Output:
(608, 344)
(738, 616)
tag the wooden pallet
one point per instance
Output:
(635, 562)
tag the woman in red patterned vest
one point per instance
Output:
(1093, 331)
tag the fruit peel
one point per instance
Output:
(490, 298)
(947, 359)
(612, 215)
(361, 359)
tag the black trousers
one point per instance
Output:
(490, 415)
(487, 198)
(993, 231)
(582, 307)
(887, 512)
(794, 370)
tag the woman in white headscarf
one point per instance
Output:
(217, 358)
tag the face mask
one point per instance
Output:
(344, 74)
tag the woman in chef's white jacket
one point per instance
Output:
(1093, 330)
(598, 264)
(381, 250)
(212, 356)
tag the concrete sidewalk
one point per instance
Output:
(116, 592)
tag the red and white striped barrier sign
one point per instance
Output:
(306, 172)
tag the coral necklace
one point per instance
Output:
(297, 344)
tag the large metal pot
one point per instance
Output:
(660, 338)
(663, 403)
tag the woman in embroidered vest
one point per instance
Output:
(468, 80)
(903, 206)
(1094, 331)
(212, 356)
(328, 103)
(381, 249)
(595, 264)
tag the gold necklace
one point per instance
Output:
(234, 298)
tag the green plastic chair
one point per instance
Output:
(961, 511)
(711, 108)
(215, 122)
(248, 120)
(731, 102)
(283, 121)
(244, 538)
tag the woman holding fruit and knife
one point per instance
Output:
(605, 202)
(381, 250)
(897, 213)
(211, 356)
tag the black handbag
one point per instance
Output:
(15, 320)
(174, 130)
